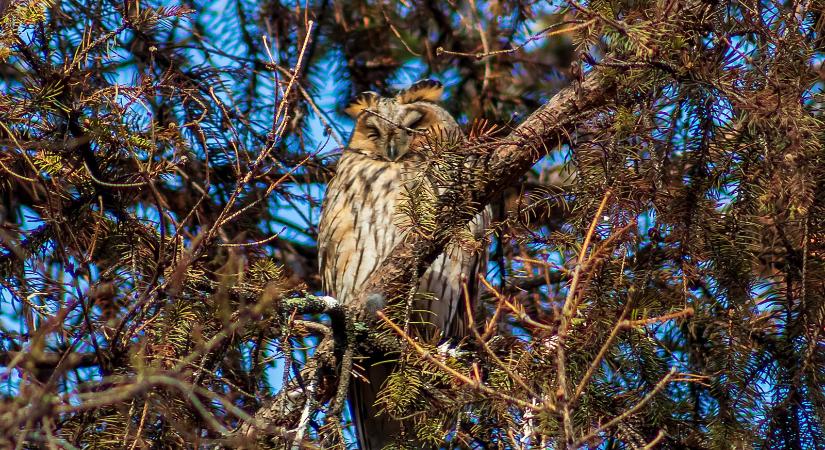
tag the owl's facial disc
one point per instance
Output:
(389, 136)
(402, 133)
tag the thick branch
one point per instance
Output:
(508, 161)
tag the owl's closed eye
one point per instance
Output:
(389, 127)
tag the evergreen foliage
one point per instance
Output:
(656, 279)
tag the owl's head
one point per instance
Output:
(388, 127)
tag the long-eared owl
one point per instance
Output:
(358, 227)
(358, 219)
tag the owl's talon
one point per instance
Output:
(329, 302)
(375, 302)
(449, 349)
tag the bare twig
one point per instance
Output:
(547, 32)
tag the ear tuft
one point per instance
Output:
(422, 90)
(361, 102)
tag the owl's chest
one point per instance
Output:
(372, 189)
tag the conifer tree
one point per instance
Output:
(655, 168)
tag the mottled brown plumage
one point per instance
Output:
(358, 225)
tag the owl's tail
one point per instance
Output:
(374, 431)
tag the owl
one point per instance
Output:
(358, 230)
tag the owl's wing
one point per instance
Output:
(446, 277)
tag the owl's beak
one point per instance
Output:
(392, 151)
(397, 145)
